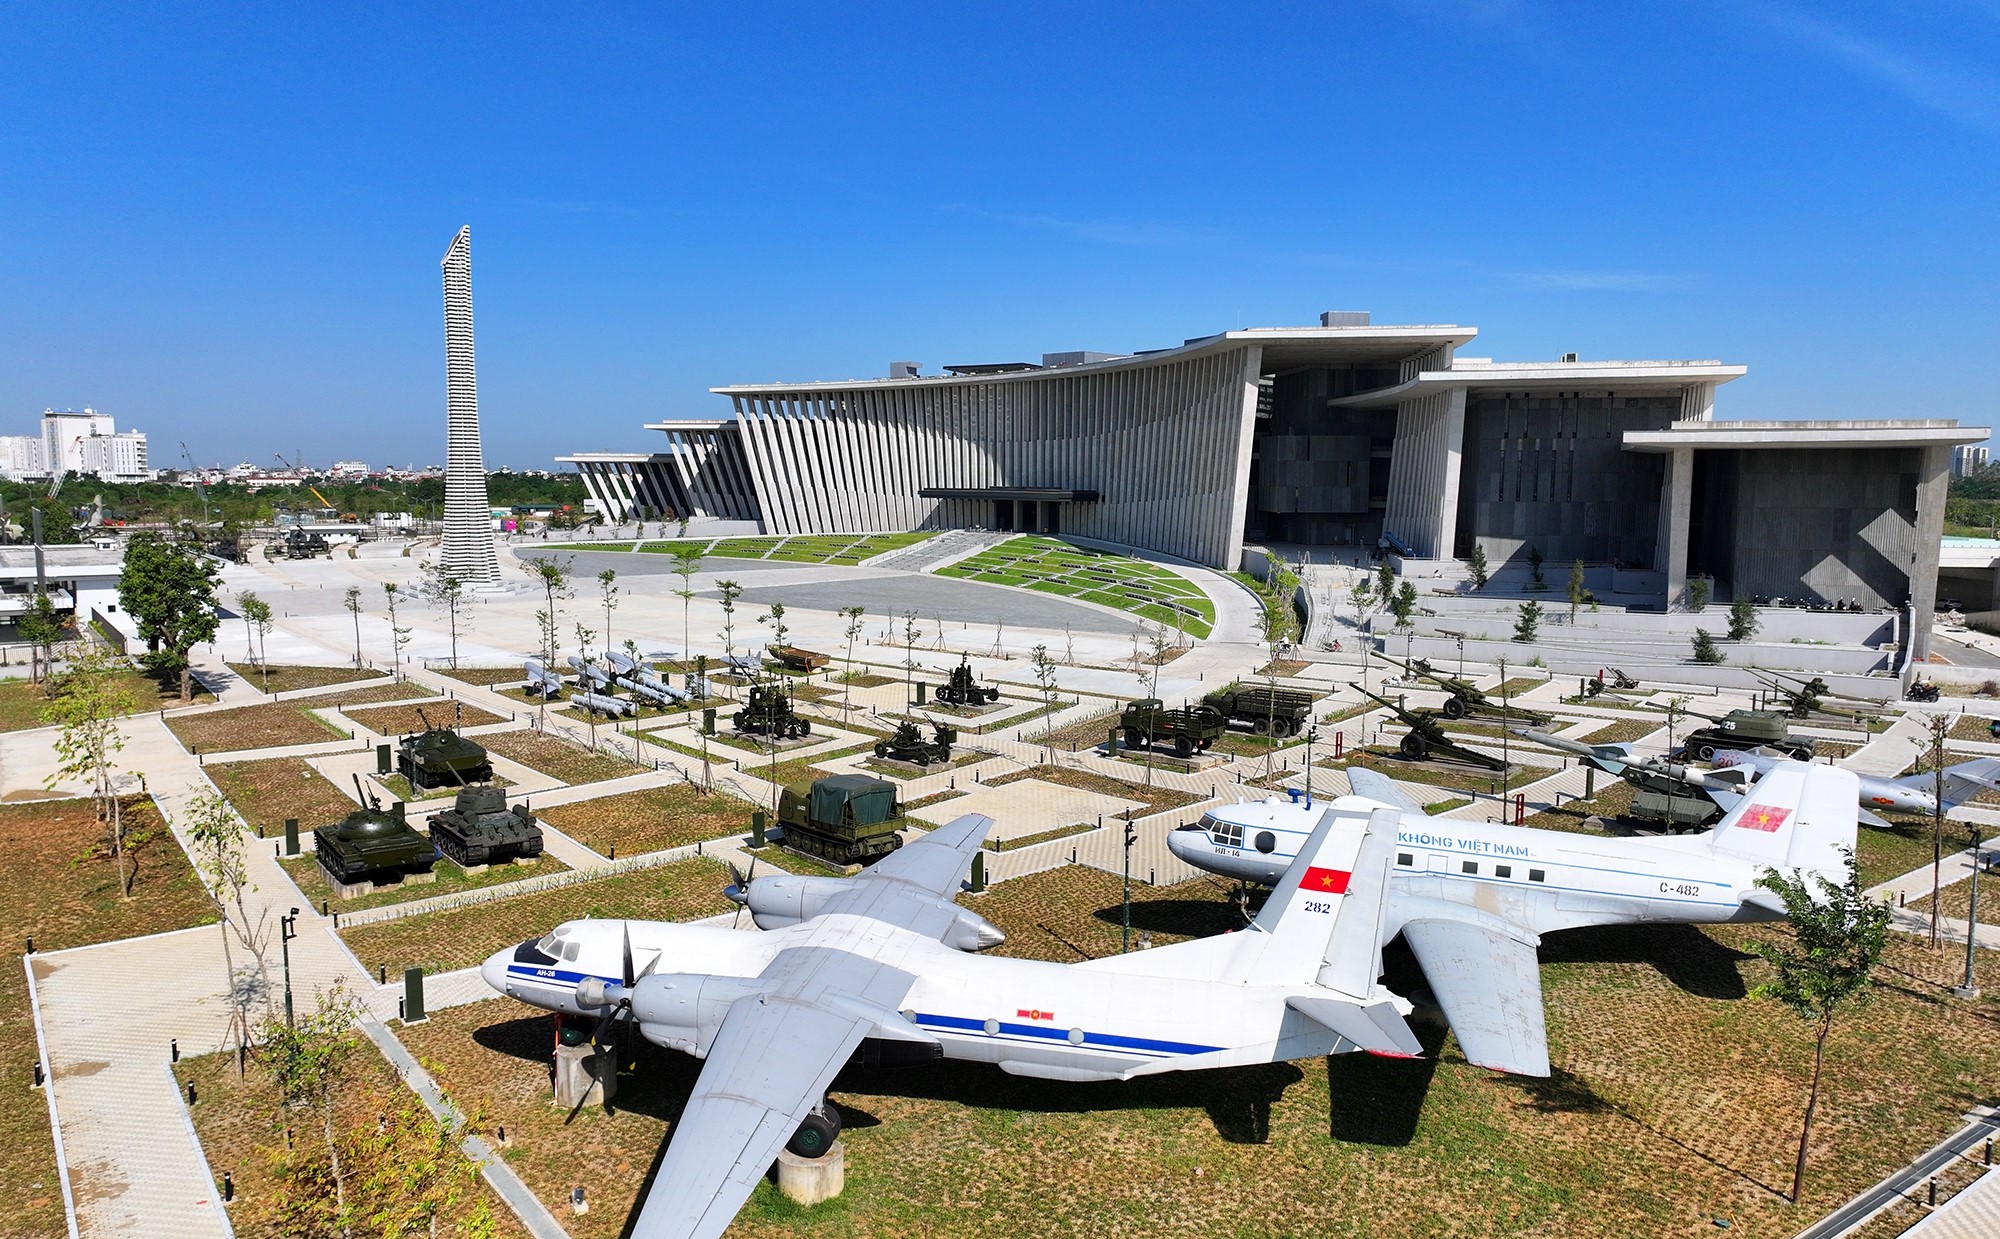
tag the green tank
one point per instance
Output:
(769, 713)
(372, 843)
(1747, 729)
(440, 757)
(908, 744)
(479, 828)
(964, 690)
(848, 819)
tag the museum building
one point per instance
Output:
(1343, 434)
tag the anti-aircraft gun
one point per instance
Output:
(964, 688)
(440, 757)
(372, 842)
(1427, 738)
(1673, 796)
(1803, 699)
(769, 713)
(908, 744)
(1747, 729)
(1465, 698)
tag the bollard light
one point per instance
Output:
(228, 1188)
(174, 1050)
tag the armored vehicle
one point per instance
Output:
(1148, 722)
(372, 843)
(1427, 738)
(479, 828)
(769, 713)
(849, 819)
(1466, 698)
(440, 757)
(964, 690)
(1269, 711)
(1747, 729)
(908, 744)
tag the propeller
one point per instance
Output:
(738, 891)
(622, 1007)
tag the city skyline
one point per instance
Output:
(227, 240)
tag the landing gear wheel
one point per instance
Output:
(1183, 746)
(1133, 740)
(1802, 754)
(1454, 707)
(816, 1134)
(1413, 747)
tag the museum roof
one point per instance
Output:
(1807, 433)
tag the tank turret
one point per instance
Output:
(479, 828)
(440, 757)
(372, 843)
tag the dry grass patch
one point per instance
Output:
(449, 880)
(64, 892)
(1956, 899)
(270, 725)
(485, 677)
(1453, 775)
(1282, 668)
(267, 792)
(21, 703)
(557, 757)
(399, 720)
(1155, 799)
(651, 819)
(403, 690)
(1623, 731)
(285, 678)
(1973, 727)
(461, 937)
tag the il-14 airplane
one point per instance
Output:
(1472, 899)
(877, 968)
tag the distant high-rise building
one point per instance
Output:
(84, 441)
(22, 457)
(468, 552)
(115, 457)
(1967, 460)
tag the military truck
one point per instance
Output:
(849, 819)
(440, 757)
(1744, 730)
(965, 690)
(372, 844)
(479, 828)
(1268, 711)
(769, 713)
(1189, 730)
(908, 744)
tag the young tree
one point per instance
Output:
(1576, 590)
(1827, 969)
(776, 619)
(1045, 679)
(352, 601)
(1698, 591)
(41, 626)
(245, 600)
(687, 562)
(215, 844)
(443, 589)
(1743, 621)
(1529, 623)
(853, 617)
(584, 636)
(87, 702)
(399, 637)
(1404, 605)
(1705, 650)
(168, 588)
(1385, 579)
(1939, 727)
(1478, 565)
(909, 660)
(312, 1062)
(1157, 645)
(1535, 580)
(607, 589)
(412, 1175)
(1280, 628)
(552, 575)
(1676, 711)
(1362, 597)
(729, 592)
(257, 618)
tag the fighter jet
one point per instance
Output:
(867, 966)
(1913, 793)
(1473, 898)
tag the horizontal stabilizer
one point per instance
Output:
(1489, 983)
(1869, 819)
(1378, 1028)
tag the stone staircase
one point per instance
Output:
(934, 553)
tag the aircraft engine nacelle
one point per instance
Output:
(683, 1011)
(970, 931)
(787, 899)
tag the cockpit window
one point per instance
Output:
(549, 945)
(1225, 834)
(570, 951)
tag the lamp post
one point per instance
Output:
(1125, 934)
(288, 929)
(1312, 734)
(1970, 989)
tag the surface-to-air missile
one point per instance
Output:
(769, 713)
(479, 828)
(908, 744)
(1803, 698)
(1464, 697)
(371, 843)
(1670, 795)
(1427, 738)
(964, 689)
(849, 819)
(440, 757)
(1747, 729)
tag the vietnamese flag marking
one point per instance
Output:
(1763, 817)
(1325, 881)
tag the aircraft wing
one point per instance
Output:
(913, 886)
(770, 1064)
(1380, 788)
(1489, 983)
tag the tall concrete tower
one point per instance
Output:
(468, 551)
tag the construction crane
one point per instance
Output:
(195, 473)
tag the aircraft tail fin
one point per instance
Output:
(1797, 817)
(1324, 921)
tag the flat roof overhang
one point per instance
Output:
(612, 458)
(691, 424)
(1822, 433)
(1038, 494)
(1615, 376)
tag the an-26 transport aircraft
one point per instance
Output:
(1472, 899)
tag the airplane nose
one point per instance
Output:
(1181, 842)
(494, 970)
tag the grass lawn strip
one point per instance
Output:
(1622, 731)
(1045, 836)
(21, 703)
(1955, 899)
(285, 678)
(272, 724)
(1972, 727)
(557, 757)
(64, 893)
(461, 937)
(1155, 799)
(268, 791)
(400, 720)
(450, 880)
(1453, 776)
(485, 677)
(651, 819)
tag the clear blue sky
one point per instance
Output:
(223, 223)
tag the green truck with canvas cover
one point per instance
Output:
(849, 819)
(1268, 710)
(1186, 731)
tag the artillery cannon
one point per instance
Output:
(908, 744)
(1747, 729)
(964, 689)
(1465, 698)
(848, 819)
(479, 828)
(769, 713)
(440, 757)
(1805, 698)
(1426, 738)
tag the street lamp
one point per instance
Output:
(1312, 734)
(1970, 989)
(288, 929)
(1125, 935)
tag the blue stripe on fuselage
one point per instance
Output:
(1037, 1032)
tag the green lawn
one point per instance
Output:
(1134, 586)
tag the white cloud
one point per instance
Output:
(1930, 83)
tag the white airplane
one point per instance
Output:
(1914, 793)
(878, 965)
(1473, 899)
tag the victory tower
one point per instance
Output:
(468, 551)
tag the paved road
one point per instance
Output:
(1982, 1124)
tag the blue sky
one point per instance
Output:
(222, 225)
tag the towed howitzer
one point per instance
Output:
(1464, 697)
(1807, 698)
(1426, 738)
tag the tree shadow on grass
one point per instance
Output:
(1191, 918)
(1690, 959)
